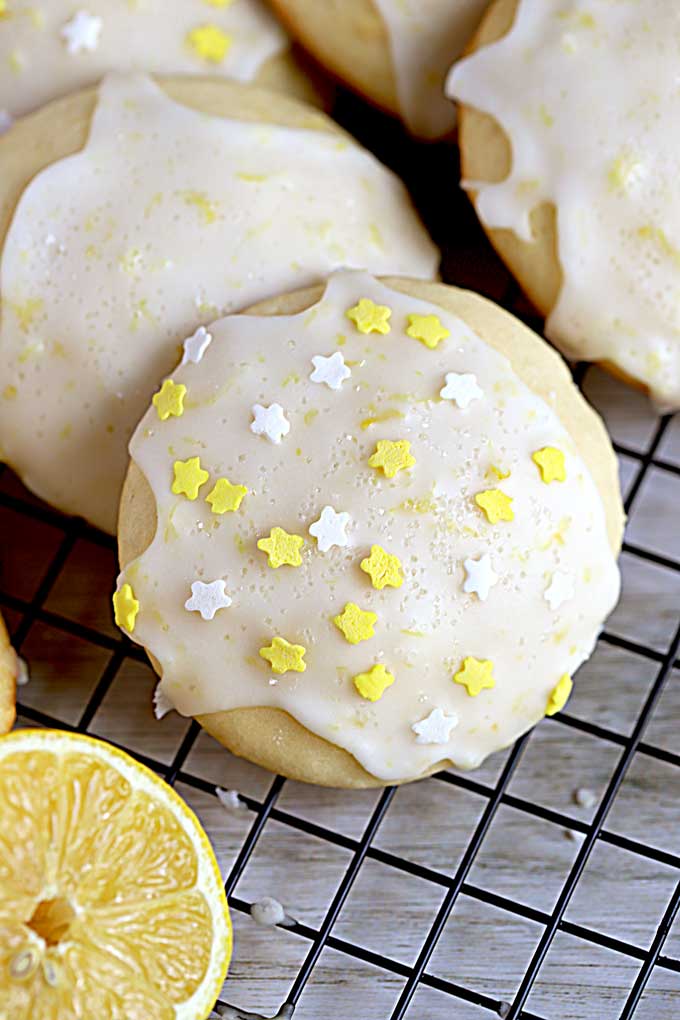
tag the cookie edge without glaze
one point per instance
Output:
(486, 155)
(298, 753)
(8, 678)
(294, 75)
(373, 75)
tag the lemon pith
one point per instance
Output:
(111, 901)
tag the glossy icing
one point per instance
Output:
(588, 97)
(426, 36)
(51, 47)
(385, 616)
(168, 218)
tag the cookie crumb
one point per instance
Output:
(23, 675)
(270, 913)
(585, 797)
(230, 799)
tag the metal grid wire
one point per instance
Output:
(460, 238)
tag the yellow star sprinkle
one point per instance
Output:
(284, 657)
(210, 43)
(551, 464)
(383, 568)
(356, 624)
(560, 695)
(170, 400)
(372, 685)
(392, 457)
(496, 505)
(476, 675)
(428, 329)
(282, 549)
(225, 497)
(189, 477)
(125, 608)
(369, 317)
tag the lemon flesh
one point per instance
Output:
(111, 902)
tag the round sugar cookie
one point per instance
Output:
(8, 677)
(570, 154)
(396, 53)
(132, 216)
(380, 537)
(48, 51)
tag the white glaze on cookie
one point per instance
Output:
(589, 99)
(51, 47)
(168, 218)
(424, 628)
(426, 36)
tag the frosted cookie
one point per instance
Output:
(130, 221)
(394, 52)
(379, 538)
(8, 676)
(52, 48)
(570, 152)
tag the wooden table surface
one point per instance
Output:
(524, 858)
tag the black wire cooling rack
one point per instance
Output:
(430, 171)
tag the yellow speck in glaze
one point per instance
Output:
(199, 200)
(383, 416)
(27, 312)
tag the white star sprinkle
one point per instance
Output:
(481, 577)
(161, 703)
(81, 33)
(329, 530)
(560, 590)
(195, 346)
(332, 371)
(436, 728)
(207, 599)
(6, 121)
(462, 389)
(270, 422)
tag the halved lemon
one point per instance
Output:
(111, 901)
